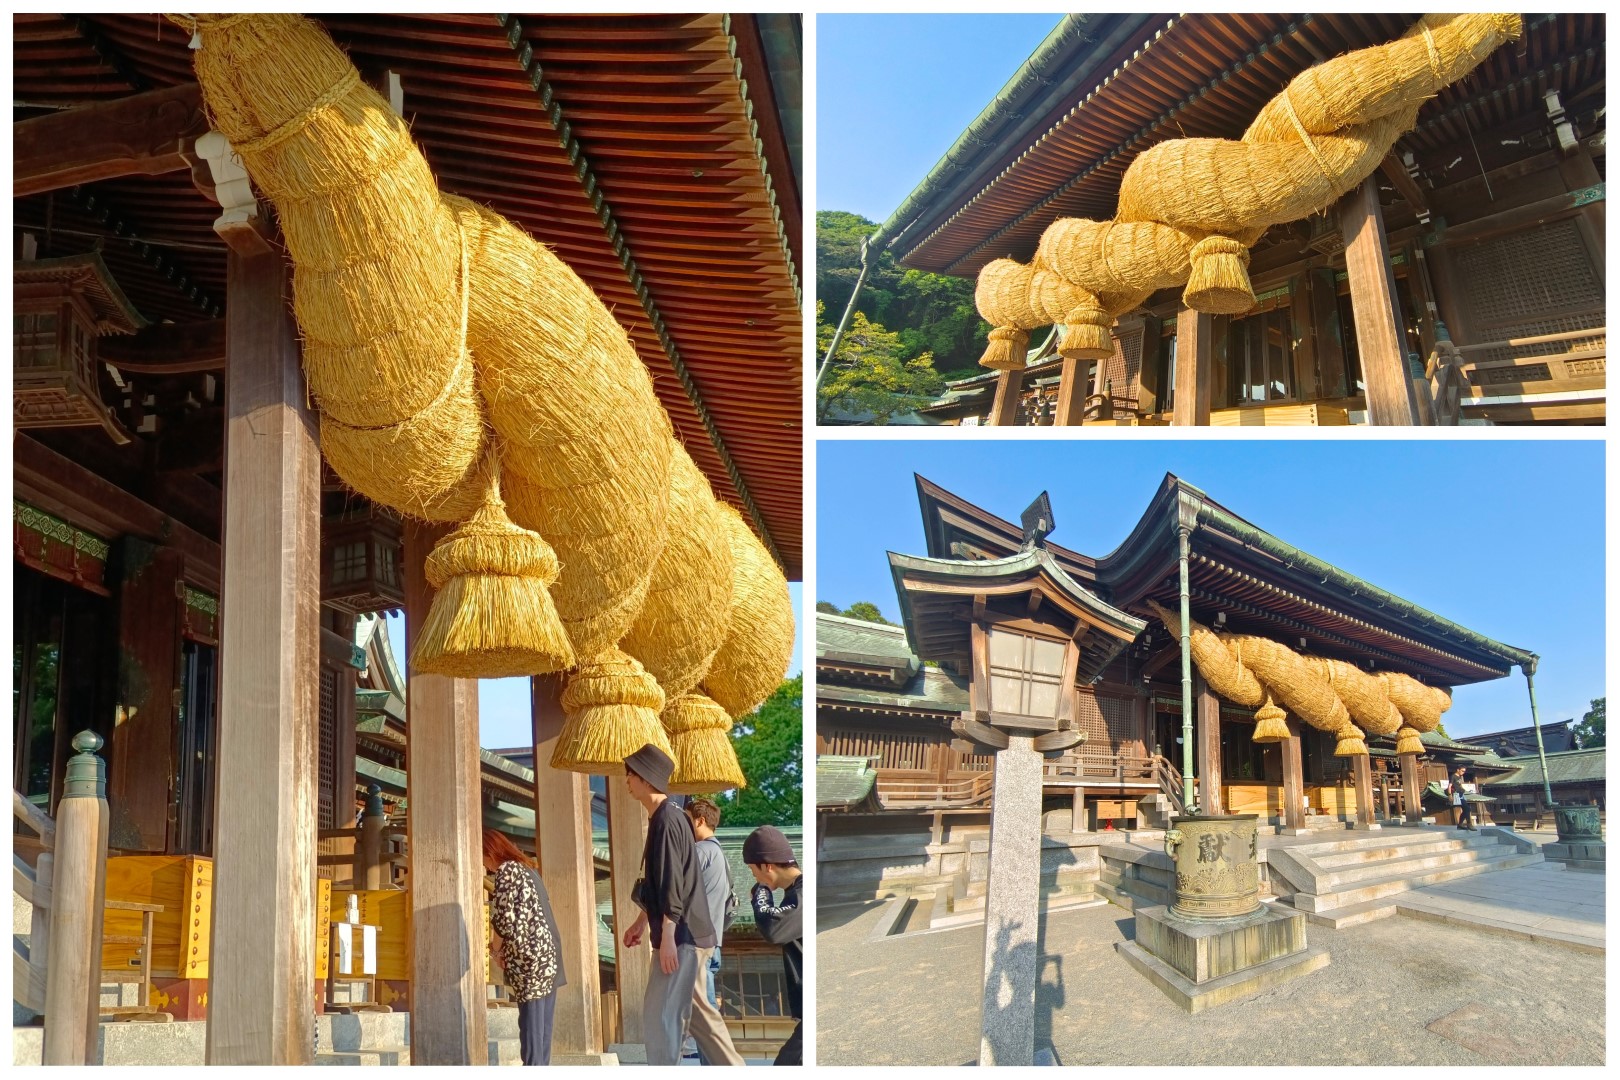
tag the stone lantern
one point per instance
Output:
(362, 562)
(60, 307)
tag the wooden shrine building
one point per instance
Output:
(1470, 266)
(188, 571)
(896, 779)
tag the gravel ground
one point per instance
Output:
(1399, 992)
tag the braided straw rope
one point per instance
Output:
(1190, 208)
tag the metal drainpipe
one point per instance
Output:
(849, 311)
(1541, 751)
(1188, 780)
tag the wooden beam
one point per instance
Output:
(1194, 363)
(562, 838)
(1004, 410)
(1299, 320)
(1411, 792)
(1519, 217)
(1379, 337)
(168, 349)
(263, 962)
(1395, 172)
(1210, 788)
(1150, 376)
(1071, 399)
(1293, 770)
(448, 1000)
(143, 134)
(1362, 769)
(627, 839)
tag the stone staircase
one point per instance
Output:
(1345, 881)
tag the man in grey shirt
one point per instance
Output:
(705, 817)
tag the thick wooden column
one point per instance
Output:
(448, 1000)
(1364, 796)
(1150, 377)
(1195, 335)
(1212, 795)
(1071, 399)
(562, 838)
(1328, 335)
(1379, 337)
(1004, 411)
(1293, 770)
(1411, 792)
(627, 837)
(262, 967)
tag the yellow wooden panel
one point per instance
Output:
(323, 927)
(1312, 415)
(389, 910)
(183, 885)
(1333, 801)
(1262, 799)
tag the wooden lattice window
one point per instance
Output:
(1529, 283)
(326, 814)
(1026, 674)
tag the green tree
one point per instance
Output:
(1589, 732)
(866, 611)
(827, 608)
(871, 378)
(769, 745)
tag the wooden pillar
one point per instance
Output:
(1299, 329)
(1195, 334)
(142, 755)
(562, 838)
(1213, 795)
(1293, 770)
(78, 889)
(1150, 377)
(448, 950)
(1362, 770)
(1580, 171)
(1328, 337)
(627, 838)
(1411, 790)
(1004, 411)
(262, 966)
(1379, 337)
(1071, 399)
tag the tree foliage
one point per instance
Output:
(769, 745)
(871, 379)
(1589, 732)
(864, 610)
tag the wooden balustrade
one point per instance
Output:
(1561, 386)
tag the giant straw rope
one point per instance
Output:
(465, 374)
(1190, 209)
(1330, 695)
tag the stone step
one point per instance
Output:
(505, 1051)
(502, 1023)
(1356, 841)
(362, 1031)
(1399, 849)
(1378, 888)
(392, 1055)
(1411, 864)
(1351, 914)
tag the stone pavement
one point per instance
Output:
(1398, 991)
(1543, 902)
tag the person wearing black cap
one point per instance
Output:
(675, 910)
(771, 859)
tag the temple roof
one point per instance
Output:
(844, 782)
(1260, 583)
(1568, 767)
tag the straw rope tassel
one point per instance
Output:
(699, 731)
(492, 616)
(1271, 723)
(611, 708)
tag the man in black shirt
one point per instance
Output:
(674, 908)
(771, 859)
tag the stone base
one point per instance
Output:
(1196, 997)
(1202, 951)
(1576, 853)
(1369, 826)
(590, 1059)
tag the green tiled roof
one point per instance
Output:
(866, 642)
(931, 688)
(842, 782)
(1567, 767)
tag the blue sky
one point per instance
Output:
(894, 91)
(503, 704)
(1502, 536)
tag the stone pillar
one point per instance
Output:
(627, 838)
(1293, 770)
(448, 950)
(262, 966)
(1411, 793)
(1012, 908)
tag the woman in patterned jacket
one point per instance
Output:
(524, 942)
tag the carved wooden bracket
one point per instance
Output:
(242, 225)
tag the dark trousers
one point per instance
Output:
(1465, 816)
(534, 1029)
(792, 1052)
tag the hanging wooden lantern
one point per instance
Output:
(60, 307)
(362, 562)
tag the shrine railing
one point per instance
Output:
(911, 789)
(1520, 379)
(1101, 768)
